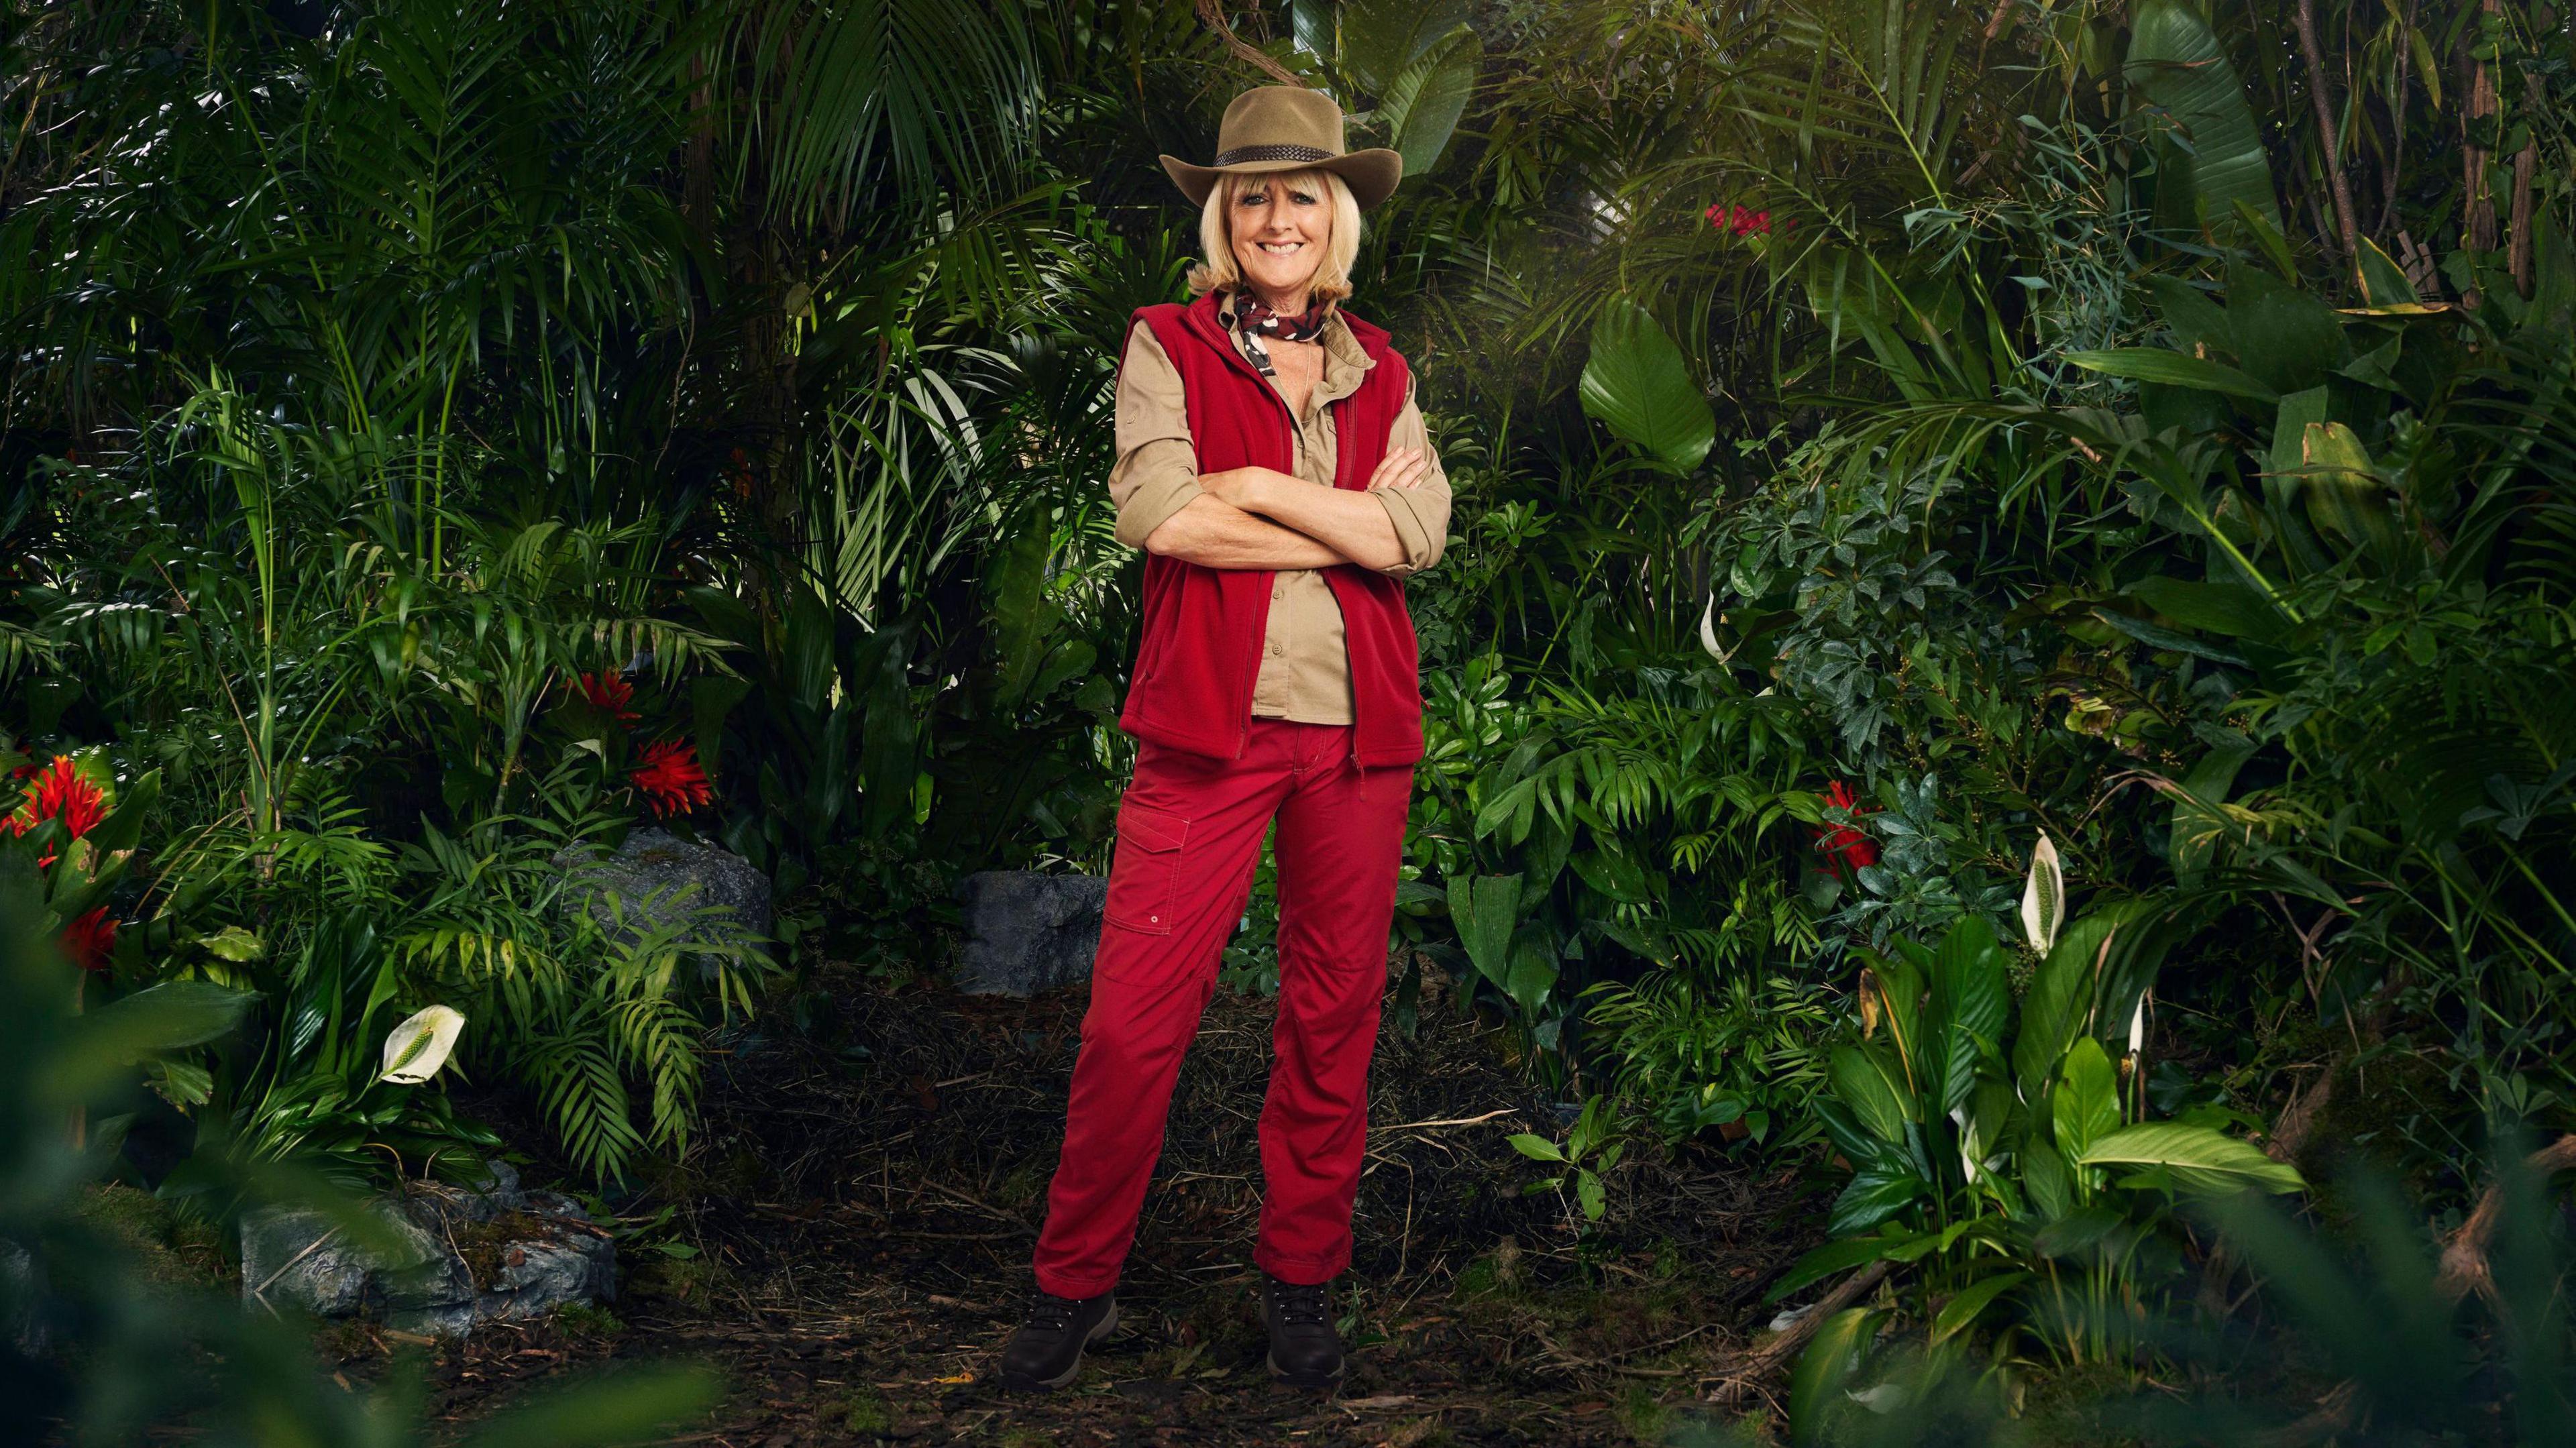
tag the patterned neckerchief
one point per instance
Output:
(1252, 320)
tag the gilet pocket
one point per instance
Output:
(1144, 878)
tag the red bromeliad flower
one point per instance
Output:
(1737, 221)
(59, 793)
(609, 694)
(671, 779)
(91, 940)
(1847, 848)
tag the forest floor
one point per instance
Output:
(860, 1203)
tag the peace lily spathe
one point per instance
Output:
(2043, 899)
(416, 1049)
(1708, 632)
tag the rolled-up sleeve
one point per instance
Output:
(1157, 472)
(1421, 512)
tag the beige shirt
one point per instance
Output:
(1305, 670)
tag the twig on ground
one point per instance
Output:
(1768, 1357)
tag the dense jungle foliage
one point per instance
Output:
(2005, 642)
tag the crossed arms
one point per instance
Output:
(1259, 518)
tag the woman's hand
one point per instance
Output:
(1401, 468)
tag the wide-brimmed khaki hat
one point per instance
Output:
(1287, 128)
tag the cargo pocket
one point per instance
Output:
(1145, 876)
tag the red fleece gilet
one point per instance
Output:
(1200, 655)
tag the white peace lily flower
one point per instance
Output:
(2043, 898)
(1708, 632)
(416, 1049)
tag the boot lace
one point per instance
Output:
(1299, 1302)
(1050, 1313)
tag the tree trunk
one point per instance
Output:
(2478, 232)
(2328, 144)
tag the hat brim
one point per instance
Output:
(1372, 175)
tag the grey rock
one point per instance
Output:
(453, 1257)
(567, 1260)
(656, 880)
(292, 1256)
(1027, 932)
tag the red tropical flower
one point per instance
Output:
(1846, 847)
(670, 778)
(59, 793)
(609, 694)
(91, 940)
(1738, 221)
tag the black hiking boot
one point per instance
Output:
(1046, 1351)
(1305, 1352)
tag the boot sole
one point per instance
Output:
(1332, 1379)
(1018, 1384)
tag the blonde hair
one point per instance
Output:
(1216, 233)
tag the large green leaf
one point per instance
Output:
(1831, 1258)
(2177, 66)
(1637, 385)
(1483, 908)
(1875, 1194)
(2176, 369)
(1533, 972)
(2383, 282)
(2344, 491)
(1380, 39)
(2286, 337)
(2087, 1104)
(2059, 1003)
(2194, 1159)
(1860, 1081)
(2221, 606)
(1962, 1310)
(1421, 109)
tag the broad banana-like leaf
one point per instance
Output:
(2175, 369)
(2343, 490)
(166, 1017)
(419, 1046)
(1422, 107)
(2177, 66)
(1637, 385)
(2383, 282)
(2194, 1159)
(1533, 973)
(1483, 909)
(2043, 896)
(2223, 606)
(1378, 39)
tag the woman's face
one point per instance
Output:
(1280, 234)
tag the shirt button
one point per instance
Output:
(1278, 648)
(1280, 592)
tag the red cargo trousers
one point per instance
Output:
(1189, 832)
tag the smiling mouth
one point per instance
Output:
(1282, 248)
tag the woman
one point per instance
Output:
(1272, 464)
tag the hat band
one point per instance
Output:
(1241, 154)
